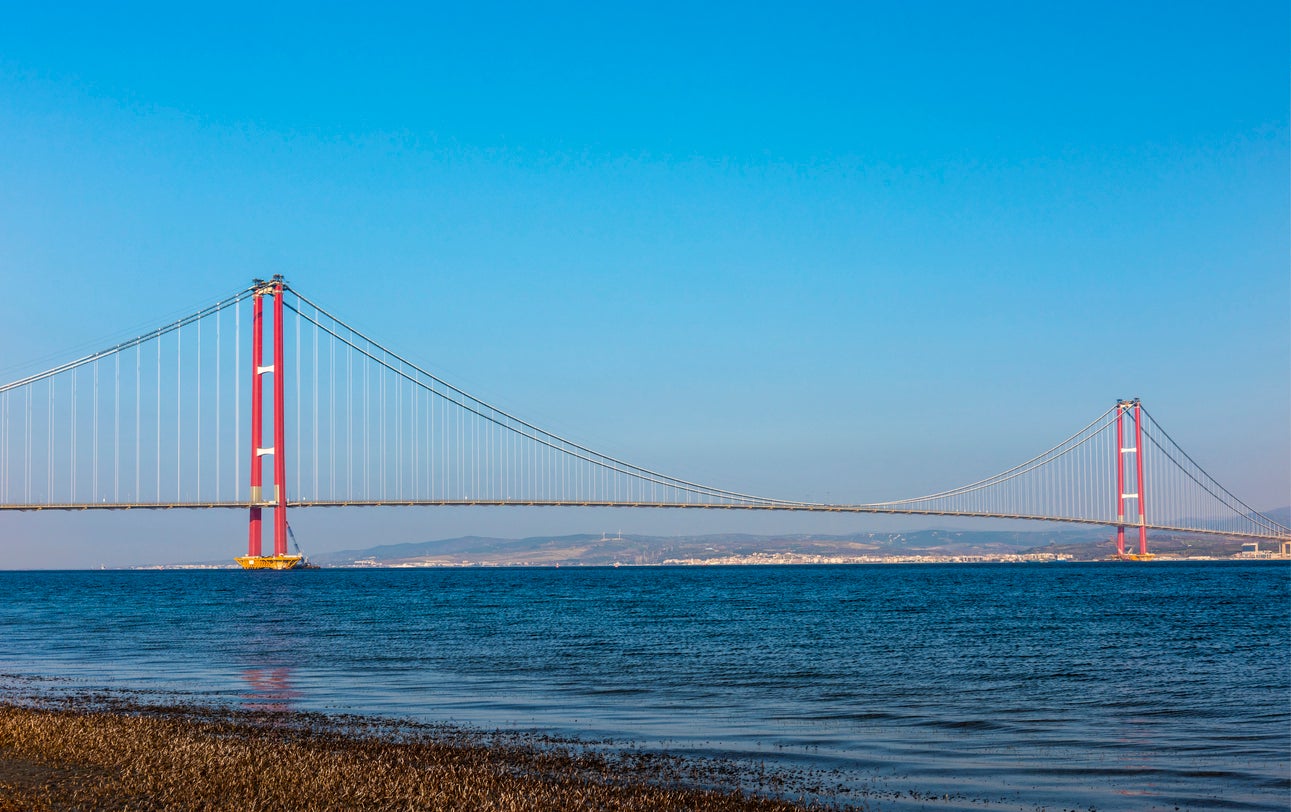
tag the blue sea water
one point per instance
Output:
(1112, 686)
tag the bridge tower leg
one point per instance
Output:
(254, 558)
(1138, 465)
(257, 422)
(1120, 477)
(280, 430)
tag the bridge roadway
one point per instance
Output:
(785, 507)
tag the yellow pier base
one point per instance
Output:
(269, 562)
(1137, 557)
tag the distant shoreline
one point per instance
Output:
(488, 565)
(753, 561)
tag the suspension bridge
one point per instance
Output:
(175, 418)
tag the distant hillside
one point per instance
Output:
(1280, 515)
(591, 550)
(1079, 543)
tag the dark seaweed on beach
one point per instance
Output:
(107, 753)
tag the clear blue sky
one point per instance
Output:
(840, 251)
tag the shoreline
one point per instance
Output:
(753, 563)
(106, 751)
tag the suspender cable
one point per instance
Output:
(298, 409)
(179, 411)
(116, 429)
(24, 471)
(72, 450)
(199, 410)
(349, 421)
(331, 418)
(219, 404)
(237, 402)
(94, 432)
(157, 389)
(484, 410)
(138, 421)
(314, 380)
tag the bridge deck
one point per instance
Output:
(787, 507)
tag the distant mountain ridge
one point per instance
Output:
(589, 549)
(1280, 515)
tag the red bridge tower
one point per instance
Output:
(1131, 408)
(280, 560)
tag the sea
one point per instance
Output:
(1136, 686)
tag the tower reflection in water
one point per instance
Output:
(269, 689)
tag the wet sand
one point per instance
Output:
(106, 753)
